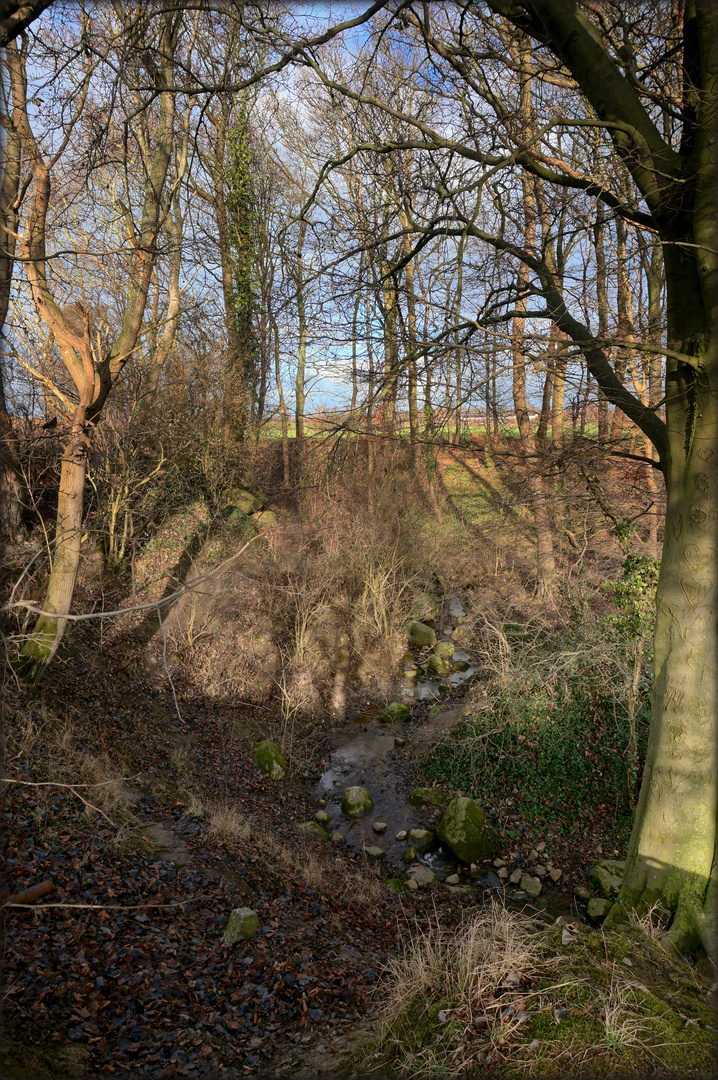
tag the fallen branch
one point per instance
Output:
(106, 907)
(27, 897)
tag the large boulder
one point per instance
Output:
(356, 802)
(270, 759)
(464, 831)
(245, 500)
(605, 877)
(242, 926)
(420, 635)
(395, 710)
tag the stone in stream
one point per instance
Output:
(356, 802)
(453, 879)
(598, 908)
(242, 926)
(409, 855)
(374, 852)
(531, 885)
(424, 607)
(379, 827)
(606, 877)
(460, 665)
(322, 817)
(422, 875)
(401, 835)
(464, 831)
(427, 796)
(395, 710)
(438, 665)
(581, 892)
(313, 828)
(422, 839)
(270, 759)
(337, 837)
(420, 635)
(444, 649)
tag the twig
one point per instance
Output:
(111, 907)
(28, 896)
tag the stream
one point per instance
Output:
(368, 753)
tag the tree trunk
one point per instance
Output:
(299, 389)
(40, 648)
(672, 851)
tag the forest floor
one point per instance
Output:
(139, 799)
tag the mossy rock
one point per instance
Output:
(598, 908)
(242, 926)
(395, 710)
(270, 759)
(396, 885)
(356, 803)
(437, 665)
(444, 649)
(606, 877)
(419, 635)
(421, 839)
(424, 607)
(464, 831)
(313, 828)
(245, 500)
(427, 796)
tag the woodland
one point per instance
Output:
(358, 440)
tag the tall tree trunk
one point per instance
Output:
(300, 382)
(602, 294)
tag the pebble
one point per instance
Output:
(337, 838)
(401, 835)
(555, 875)
(533, 856)
(375, 852)
(412, 884)
(503, 873)
(499, 862)
(453, 879)
(541, 871)
(541, 846)
(322, 817)
(515, 877)
(379, 827)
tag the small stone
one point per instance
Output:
(515, 877)
(322, 817)
(375, 852)
(567, 937)
(409, 856)
(453, 879)
(412, 884)
(322, 802)
(534, 1045)
(337, 838)
(401, 835)
(396, 886)
(581, 892)
(242, 926)
(512, 979)
(422, 875)
(499, 862)
(555, 875)
(399, 742)
(541, 846)
(533, 856)
(379, 827)
(503, 873)
(598, 908)
(541, 871)
(627, 961)
(531, 885)
(444, 649)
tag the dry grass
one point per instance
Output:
(450, 1000)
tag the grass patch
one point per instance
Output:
(502, 994)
